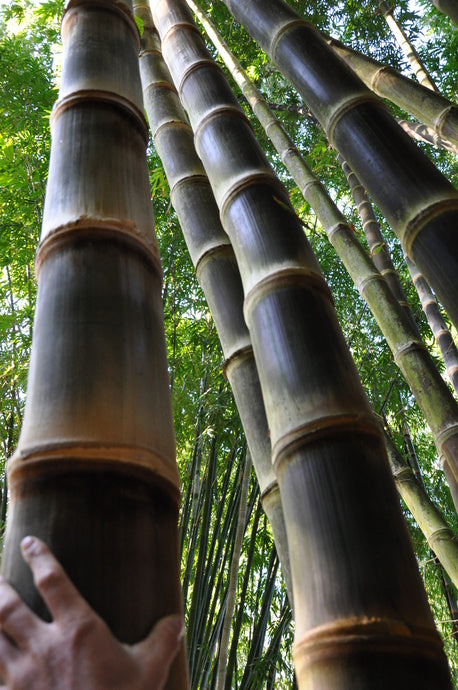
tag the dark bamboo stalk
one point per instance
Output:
(386, 301)
(407, 48)
(447, 7)
(94, 474)
(418, 202)
(216, 266)
(437, 324)
(361, 613)
(433, 109)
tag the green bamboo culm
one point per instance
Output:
(362, 618)
(216, 266)
(430, 108)
(378, 285)
(418, 202)
(94, 474)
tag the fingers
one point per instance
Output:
(16, 619)
(161, 646)
(61, 596)
(9, 657)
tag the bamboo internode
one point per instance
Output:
(94, 474)
(361, 613)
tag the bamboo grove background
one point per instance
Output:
(220, 495)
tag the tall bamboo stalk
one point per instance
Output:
(431, 108)
(387, 301)
(407, 48)
(216, 266)
(437, 324)
(438, 534)
(420, 132)
(361, 614)
(94, 474)
(418, 202)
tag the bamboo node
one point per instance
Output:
(421, 219)
(107, 98)
(359, 635)
(288, 25)
(445, 435)
(440, 534)
(119, 7)
(351, 102)
(223, 248)
(249, 179)
(283, 278)
(240, 355)
(323, 428)
(409, 347)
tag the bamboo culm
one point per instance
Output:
(407, 48)
(447, 7)
(94, 474)
(216, 267)
(327, 446)
(418, 201)
(387, 301)
(430, 108)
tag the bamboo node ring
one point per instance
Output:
(418, 222)
(352, 102)
(289, 25)
(243, 353)
(411, 346)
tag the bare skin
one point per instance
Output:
(76, 651)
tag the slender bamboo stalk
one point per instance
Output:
(355, 597)
(437, 324)
(387, 302)
(418, 202)
(94, 474)
(433, 109)
(233, 577)
(438, 534)
(407, 48)
(216, 266)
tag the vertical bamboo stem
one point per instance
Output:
(407, 48)
(94, 474)
(361, 614)
(216, 267)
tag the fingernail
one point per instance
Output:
(27, 543)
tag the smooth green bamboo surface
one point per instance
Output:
(437, 324)
(407, 48)
(94, 474)
(438, 534)
(418, 202)
(362, 618)
(433, 109)
(215, 263)
(391, 311)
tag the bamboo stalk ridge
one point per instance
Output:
(437, 324)
(418, 202)
(386, 301)
(438, 534)
(94, 474)
(407, 48)
(351, 618)
(215, 263)
(432, 109)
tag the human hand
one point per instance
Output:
(76, 651)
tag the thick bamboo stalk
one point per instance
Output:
(94, 474)
(400, 329)
(361, 614)
(438, 534)
(437, 324)
(418, 202)
(216, 266)
(407, 48)
(433, 109)
(447, 7)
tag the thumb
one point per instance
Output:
(161, 646)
